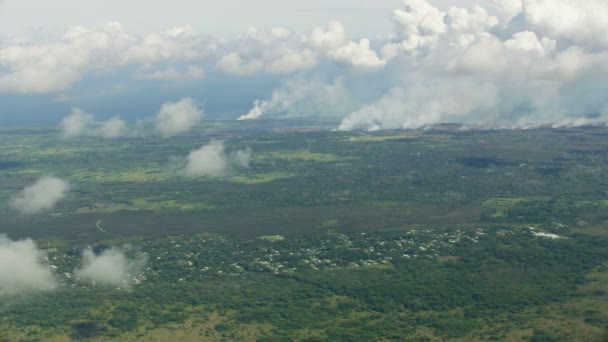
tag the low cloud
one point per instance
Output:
(31, 66)
(332, 42)
(178, 117)
(274, 51)
(233, 63)
(212, 161)
(23, 268)
(113, 128)
(111, 268)
(242, 158)
(41, 196)
(172, 74)
(499, 63)
(80, 123)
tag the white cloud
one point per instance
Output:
(332, 42)
(178, 117)
(291, 61)
(28, 66)
(528, 41)
(211, 160)
(41, 196)
(175, 44)
(531, 57)
(509, 9)
(113, 128)
(78, 123)
(110, 268)
(23, 268)
(274, 51)
(232, 63)
(465, 65)
(55, 66)
(242, 158)
(172, 74)
(579, 22)
(328, 38)
(279, 51)
(357, 54)
(465, 27)
(418, 25)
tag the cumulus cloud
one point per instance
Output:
(332, 42)
(23, 268)
(578, 22)
(290, 61)
(358, 54)
(275, 51)
(211, 160)
(178, 117)
(78, 123)
(181, 43)
(41, 196)
(113, 128)
(111, 268)
(30, 66)
(242, 158)
(232, 63)
(35, 67)
(521, 64)
(328, 38)
(508, 9)
(457, 68)
(280, 51)
(172, 74)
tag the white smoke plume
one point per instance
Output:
(524, 63)
(23, 268)
(508, 63)
(211, 160)
(178, 117)
(41, 196)
(110, 268)
(305, 97)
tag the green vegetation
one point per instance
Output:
(260, 177)
(327, 236)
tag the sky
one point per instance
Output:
(217, 18)
(367, 65)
